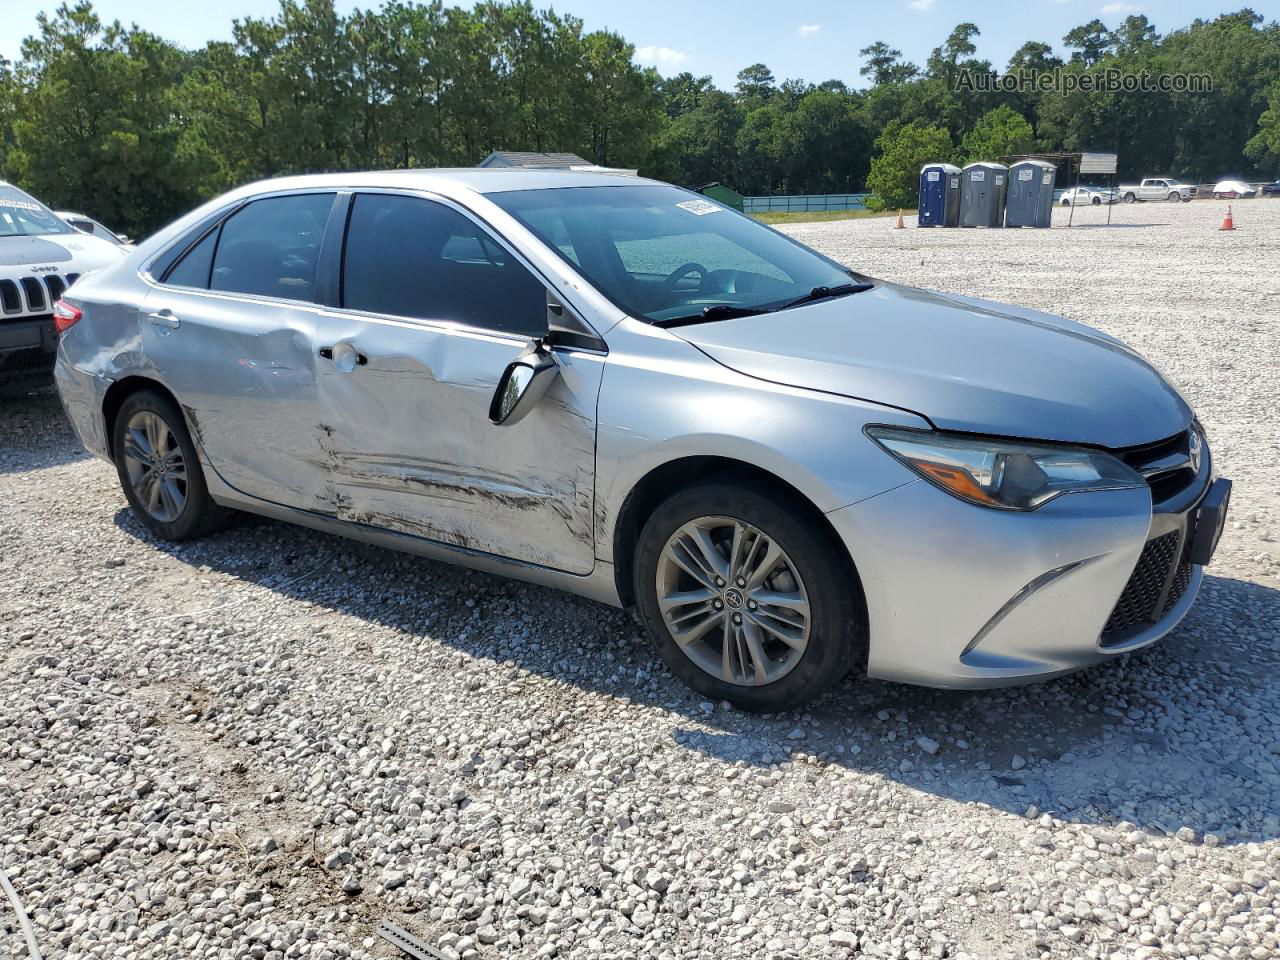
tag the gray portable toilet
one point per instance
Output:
(982, 187)
(939, 195)
(1030, 196)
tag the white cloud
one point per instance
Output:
(808, 29)
(922, 4)
(1120, 8)
(660, 57)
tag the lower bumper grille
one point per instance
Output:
(1143, 601)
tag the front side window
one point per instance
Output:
(22, 215)
(660, 252)
(270, 247)
(414, 258)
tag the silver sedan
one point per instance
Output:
(616, 387)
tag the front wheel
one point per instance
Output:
(746, 600)
(159, 470)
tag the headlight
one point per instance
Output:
(1003, 474)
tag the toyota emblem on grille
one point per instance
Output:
(1194, 446)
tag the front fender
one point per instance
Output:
(663, 400)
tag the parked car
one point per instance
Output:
(617, 387)
(86, 224)
(1271, 189)
(1088, 195)
(1158, 188)
(40, 256)
(1232, 190)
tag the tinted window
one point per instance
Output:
(271, 247)
(193, 269)
(409, 257)
(660, 252)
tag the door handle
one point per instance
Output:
(164, 318)
(344, 356)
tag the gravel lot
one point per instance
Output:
(261, 744)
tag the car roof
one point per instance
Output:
(453, 181)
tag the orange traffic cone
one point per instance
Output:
(1227, 223)
(900, 225)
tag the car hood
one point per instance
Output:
(962, 363)
(70, 252)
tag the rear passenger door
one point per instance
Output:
(432, 307)
(229, 327)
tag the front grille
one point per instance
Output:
(28, 295)
(1181, 580)
(1166, 465)
(34, 290)
(10, 300)
(1140, 603)
(25, 361)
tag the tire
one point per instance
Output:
(1096, 201)
(1187, 198)
(813, 567)
(1130, 198)
(1066, 202)
(133, 437)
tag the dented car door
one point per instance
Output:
(433, 308)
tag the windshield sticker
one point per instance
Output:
(699, 208)
(21, 205)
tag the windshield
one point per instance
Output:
(661, 253)
(24, 216)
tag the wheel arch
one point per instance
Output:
(120, 391)
(654, 487)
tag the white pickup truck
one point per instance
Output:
(1157, 188)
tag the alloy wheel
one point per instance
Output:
(156, 466)
(733, 601)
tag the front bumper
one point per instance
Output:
(961, 596)
(27, 347)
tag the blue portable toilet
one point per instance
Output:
(939, 195)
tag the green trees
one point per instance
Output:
(904, 149)
(134, 131)
(998, 133)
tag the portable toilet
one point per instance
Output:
(982, 187)
(939, 195)
(1030, 197)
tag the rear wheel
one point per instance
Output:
(159, 470)
(1096, 201)
(1130, 198)
(746, 600)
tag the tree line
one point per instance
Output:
(130, 128)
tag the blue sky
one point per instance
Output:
(812, 41)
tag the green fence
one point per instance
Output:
(805, 203)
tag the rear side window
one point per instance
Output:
(270, 247)
(193, 269)
(409, 257)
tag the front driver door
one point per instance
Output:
(432, 310)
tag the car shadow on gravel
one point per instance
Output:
(1183, 734)
(35, 434)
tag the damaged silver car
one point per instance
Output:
(620, 388)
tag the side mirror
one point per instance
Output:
(522, 385)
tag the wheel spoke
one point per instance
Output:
(135, 446)
(776, 598)
(153, 491)
(755, 648)
(765, 566)
(685, 597)
(172, 497)
(696, 632)
(711, 558)
(790, 634)
(727, 652)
